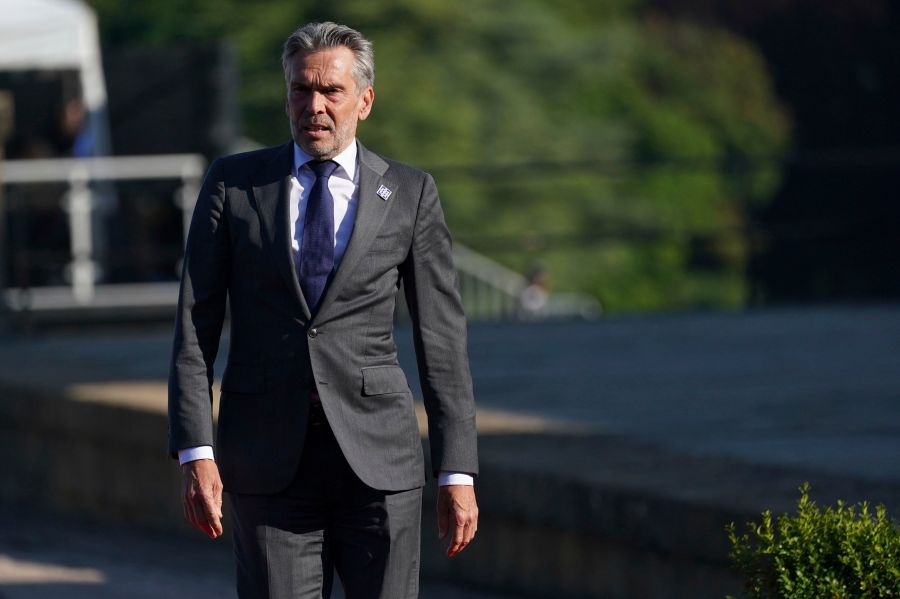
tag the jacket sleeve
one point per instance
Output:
(199, 318)
(439, 335)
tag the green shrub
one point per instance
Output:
(831, 553)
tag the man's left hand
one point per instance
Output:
(457, 515)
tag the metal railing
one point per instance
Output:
(79, 202)
(490, 291)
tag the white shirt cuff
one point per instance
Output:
(205, 452)
(202, 452)
(455, 478)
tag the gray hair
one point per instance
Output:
(319, 36)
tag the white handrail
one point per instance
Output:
(113, 168)
(80, 201)
(489, 289)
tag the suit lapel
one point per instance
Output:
(370, 212)
(271, 189)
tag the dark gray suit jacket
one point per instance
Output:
(239, 247)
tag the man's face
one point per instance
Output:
(323, 102)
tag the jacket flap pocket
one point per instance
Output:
(244, 378)
(378, 380)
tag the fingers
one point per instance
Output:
(464, 533)
(197, 513)
(458, 540)
(207, 515)
(212, 514)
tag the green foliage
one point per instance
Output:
(599, 138)
(846, 552)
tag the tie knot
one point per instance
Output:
(322, 168)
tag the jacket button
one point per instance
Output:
(313, 333)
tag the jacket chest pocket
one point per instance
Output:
(390, 241)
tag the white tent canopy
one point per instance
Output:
(58, 34)
(53, 34)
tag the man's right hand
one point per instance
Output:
(202, 496)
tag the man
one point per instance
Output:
(318, 445)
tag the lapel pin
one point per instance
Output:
(383, 192)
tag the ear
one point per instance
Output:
(366, 100)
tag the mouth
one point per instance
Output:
(315, 130)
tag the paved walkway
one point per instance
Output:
(814, 388)
(703, 407)
(44, 558)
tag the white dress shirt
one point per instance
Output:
(344, 187)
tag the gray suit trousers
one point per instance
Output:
(288, 545)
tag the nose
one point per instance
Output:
(315, 103)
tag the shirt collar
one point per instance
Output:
(346, 160)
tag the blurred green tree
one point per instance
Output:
(618, 147)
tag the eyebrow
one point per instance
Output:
(327, 86)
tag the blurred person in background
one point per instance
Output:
(318, 447)
(533, 297)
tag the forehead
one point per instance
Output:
(328, 64)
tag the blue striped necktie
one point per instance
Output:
(317, 248)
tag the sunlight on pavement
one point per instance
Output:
(151, 396)
(13, 571)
